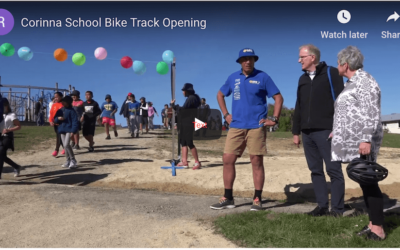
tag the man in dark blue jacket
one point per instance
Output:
(313, 119)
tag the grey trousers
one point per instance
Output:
(151, 124)
(128, 122)
(69, 153)
(134, 120)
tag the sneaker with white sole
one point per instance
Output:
(197, 165)
(66, 164)
(224, 203)
(73, 165)
(257, 205)
(17, 171)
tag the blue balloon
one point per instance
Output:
(139, 67)
(168, 56)
(25, 53)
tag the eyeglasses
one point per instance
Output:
(302, 57)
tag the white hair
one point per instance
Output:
(312, 50)
(352, 56)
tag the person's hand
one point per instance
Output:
(173, 101)
(82, 119)
(52, 124)
(267, 122)
(365, 148)
(60, 118)
(228, 119)
(5, 131)
(296, 140)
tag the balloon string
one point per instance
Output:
(94, 57)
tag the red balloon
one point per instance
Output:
(126, 62)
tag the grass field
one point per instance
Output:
(30, 136)
(266, 229)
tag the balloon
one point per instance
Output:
(168, 56)
(162, 68)
(79, 59)
(139, 67)
(100, 53)
(60, 55)
(6, 49)
(25, 53)
(126, 62)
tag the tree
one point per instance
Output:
(285, 120)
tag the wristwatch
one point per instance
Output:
(226, 115)
(274, 119)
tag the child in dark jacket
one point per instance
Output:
(68, 120)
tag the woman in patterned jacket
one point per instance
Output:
(357, 129)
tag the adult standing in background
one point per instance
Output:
(91, 111)
(77, 105)
(125, 112)
(54, 108)
(313, 118)
(144, 120)
(39, 112)
(357, 130)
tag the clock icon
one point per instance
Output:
(344, 16)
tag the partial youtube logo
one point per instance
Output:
(206, 124)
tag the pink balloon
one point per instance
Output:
(100, 53)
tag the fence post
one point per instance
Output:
(29, 105)
(9, 95)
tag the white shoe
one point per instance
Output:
(73, 165)
(66, 165)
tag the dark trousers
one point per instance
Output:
(4, 145)
(58, 142)
(40, 119)
(318, 150)
(373, 198)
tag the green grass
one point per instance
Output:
(30, 136)
(391, 140)
(277, 134)
(267, 229)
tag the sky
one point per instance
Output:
(204, 57)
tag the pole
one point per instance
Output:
(70, 89)
(9, 95)
(173, 111)
(29, 105)
(56, 86)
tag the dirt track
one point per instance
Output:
(85, 212)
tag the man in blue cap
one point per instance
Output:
(248, 122)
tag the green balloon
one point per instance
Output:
(162, 68)
(6, 49)
(79, 59)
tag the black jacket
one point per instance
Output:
(125, 109)
(315, 105)
(37, 108)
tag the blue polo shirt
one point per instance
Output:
(108, 108)
(249, 100)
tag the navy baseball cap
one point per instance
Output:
(108, 97)
(247, 52)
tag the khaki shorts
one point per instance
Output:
(254, 139)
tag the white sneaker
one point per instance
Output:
(66, 165)
(73, 165)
